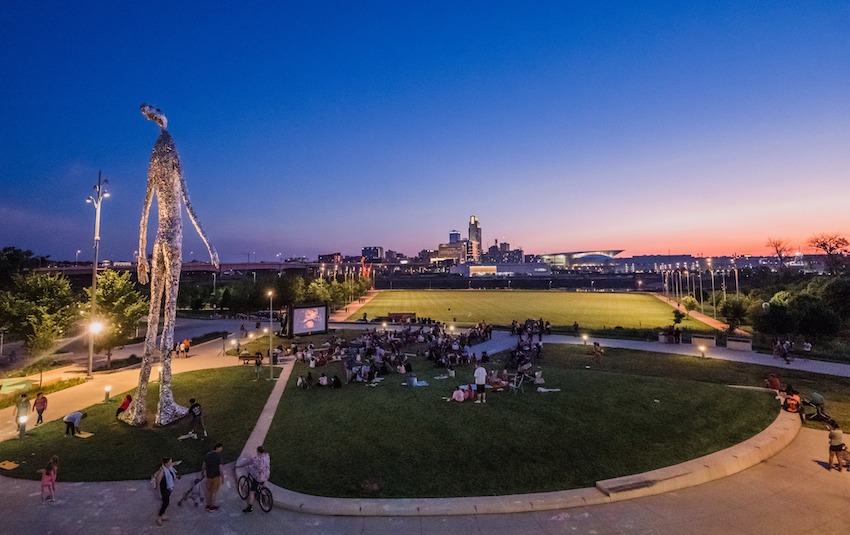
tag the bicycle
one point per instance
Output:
(262, 495)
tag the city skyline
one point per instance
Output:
(306, 129)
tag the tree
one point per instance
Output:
(193, 296)
(319, 290)
(734, 310)
(813, 317)
(773, 318)
(690, 304)
(38, 309)
(835, 292)
(833, 246)
(780, 249)
(291, 289)
(120, 307)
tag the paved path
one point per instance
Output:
(711, 322)
(791, 492)
(351, 309)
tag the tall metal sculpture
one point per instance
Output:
(165, 180)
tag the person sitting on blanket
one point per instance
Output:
(458, 395)
(496, 381)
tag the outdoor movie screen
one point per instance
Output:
(309, 319)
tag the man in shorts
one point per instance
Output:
(480, 383)
(259, 468)
(197, 419)
(214, 475)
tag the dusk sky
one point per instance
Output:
(317, 127)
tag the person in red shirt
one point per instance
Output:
(124, 405)
(39, 406)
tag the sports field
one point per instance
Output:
(596, 310)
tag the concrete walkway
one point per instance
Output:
(790, 492)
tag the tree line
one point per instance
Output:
(40, 308)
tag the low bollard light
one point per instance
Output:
(702, 350)
(22, 426)
(584, 337)
(106, 390)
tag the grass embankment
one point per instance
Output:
(231, 402)
(7, 400)
(611, 420)
(591, 310)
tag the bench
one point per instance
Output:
(739, 344)
(703, 340)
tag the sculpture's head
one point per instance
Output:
(155, 115)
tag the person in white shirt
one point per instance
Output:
(480, 384)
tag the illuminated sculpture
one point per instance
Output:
(165, 180)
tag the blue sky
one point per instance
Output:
(315, 127)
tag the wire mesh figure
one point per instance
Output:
(165, 180)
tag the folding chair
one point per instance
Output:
(516, 382)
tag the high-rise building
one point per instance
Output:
(454, 236)
(474, 248)
(373, 253)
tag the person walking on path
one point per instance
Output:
(259, 468)
(836, 444)
(480, 383)
(39, 406)
(22, 410)
(164, 482)
(72, 422)
(214, 476)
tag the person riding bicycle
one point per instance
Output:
(259, 467)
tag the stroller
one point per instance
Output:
(194, 492)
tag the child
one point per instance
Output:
(48, 478)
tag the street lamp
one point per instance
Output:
(77, 257)
(271, 369)
(95, 328)
(100, 193)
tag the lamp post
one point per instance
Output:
(713, 296)
(100, 193)
(77, 257)
(271, 368)
(701, 294)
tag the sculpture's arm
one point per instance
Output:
(196, 223)
(142, 267)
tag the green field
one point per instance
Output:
(594, 311)
(610, 420)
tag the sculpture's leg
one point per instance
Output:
(135, 414)
(168, 410)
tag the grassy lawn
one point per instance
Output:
(231, 402)
(604, 423)
(594, 311)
